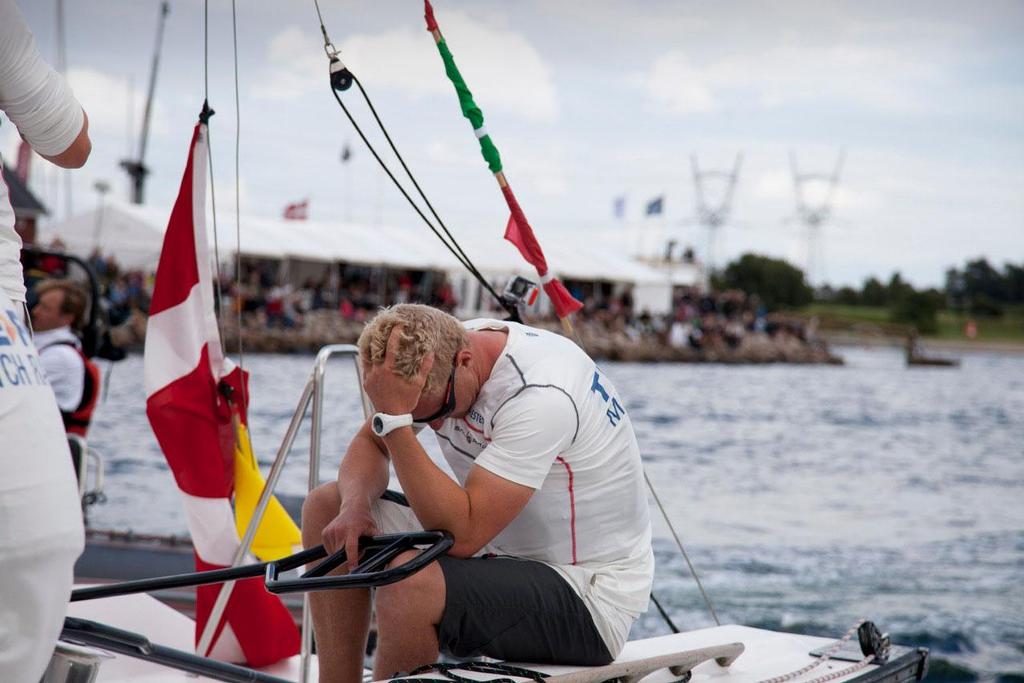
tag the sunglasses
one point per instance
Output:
(449, 399)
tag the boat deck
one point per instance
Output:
(766, 654)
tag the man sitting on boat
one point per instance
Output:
(57, 316)
(552, 560)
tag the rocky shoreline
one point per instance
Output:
(325, 328)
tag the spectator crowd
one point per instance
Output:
(700, 324)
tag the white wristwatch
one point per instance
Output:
(383, 424)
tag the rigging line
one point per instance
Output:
(664, 513)
(430, 206)
(206, 639)
(323, 29)
(824, 657)
(238, 204)
(465, 262)
(206, 49)
(209, 158)
(459, 255)
(664, 614)
(394, 180)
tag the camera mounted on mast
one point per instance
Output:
(519, 293)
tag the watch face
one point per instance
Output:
(378, 424)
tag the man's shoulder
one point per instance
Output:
(544, 356)
(60, 338)
(60, 349)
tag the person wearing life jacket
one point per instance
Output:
(56, 316)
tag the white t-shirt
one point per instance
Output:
(548, 418)
(62, 365)
(39, 102)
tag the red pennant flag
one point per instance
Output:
(428, 14)
(299, 211)
(519, 233)
(184, 363)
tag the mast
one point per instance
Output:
(136, 168)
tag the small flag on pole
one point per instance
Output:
(619, 207)
(655, 206)
(518, 230)
(298, 211)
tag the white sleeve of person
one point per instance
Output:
(34, 96)
(65, 372)
(529, 431)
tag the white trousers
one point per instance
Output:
(35, 585)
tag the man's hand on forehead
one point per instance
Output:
(390, 392)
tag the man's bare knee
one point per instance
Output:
(319, 508)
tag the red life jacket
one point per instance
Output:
(77, 420)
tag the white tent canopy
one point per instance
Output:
(134, 234)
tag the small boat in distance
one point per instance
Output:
(916, 357)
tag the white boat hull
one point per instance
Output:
(764, 654)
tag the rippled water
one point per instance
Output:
(806, 496)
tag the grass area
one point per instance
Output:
(1009, 327)
(868, 314)
(876, 319)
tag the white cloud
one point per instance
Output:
(440, 152)
(883, 79)
(675, 83)
(298, 66)
(543, 168)
(501, 67)
(106, 99)
(777, 185)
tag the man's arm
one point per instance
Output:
(78, 152)
(36, 98)
(363, 475)
(474, 515)
(362, 478)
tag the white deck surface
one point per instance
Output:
(767, 653)
(148, 616)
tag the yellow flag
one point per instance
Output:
(277, 535)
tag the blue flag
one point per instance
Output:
(655, 206)
(619, 207)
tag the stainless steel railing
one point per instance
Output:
(316, 381)
(313, 392)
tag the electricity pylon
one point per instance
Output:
(815, 215)
(714, 216)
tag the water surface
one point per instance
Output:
(806, 496)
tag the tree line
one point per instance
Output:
(978, 289)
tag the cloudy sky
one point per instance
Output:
(588, 101)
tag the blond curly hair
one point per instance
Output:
(424, 330)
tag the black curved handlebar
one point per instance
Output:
(379, 551)
(382, 549)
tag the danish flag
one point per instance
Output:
(184, 367)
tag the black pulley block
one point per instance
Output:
(873, 642)
(341, 77)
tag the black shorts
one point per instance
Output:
(518, 610)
